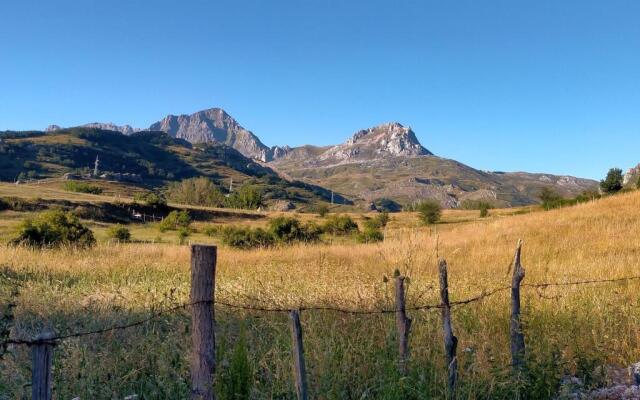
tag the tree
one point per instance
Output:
(119, 234)
(613, 182)
(550, 199)
(429, 211)
(196, 191)
(248, 197)
(54, 228)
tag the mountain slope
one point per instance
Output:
(388, 161)
(152, 158)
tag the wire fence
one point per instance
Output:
(423, 307)
(203, 302)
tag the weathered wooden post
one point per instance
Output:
(517, 334)
(300, 370)
(403, 324)
(203, 362)
(42, 359)
(450, 341)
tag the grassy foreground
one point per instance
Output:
(568, 330)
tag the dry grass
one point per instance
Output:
(567, 330)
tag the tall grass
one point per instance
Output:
(568, 330)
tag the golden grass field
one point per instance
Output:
(569, 330)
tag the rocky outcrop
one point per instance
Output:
(216, 126)
(53, 128)
(387, 140)
(632, 175)
(108, 126)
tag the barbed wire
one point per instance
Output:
(485, 294)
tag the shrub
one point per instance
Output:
(119, 233)
(82, 187)
(369, 235)
(247, 197)
(54, 228)
(484, 212)
(183, 234)
(550, 199)
(613, 182)
(90, 212)
(151, 199)
(212, 230)
(199, 191)
(340, 225)
(288, 230)
(378, 222)
(4, 205)
(175, 220)
(429, 211)
(476, 205)
(323, 210)
(20, 204)
(246, 238)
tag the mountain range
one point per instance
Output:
(384, 161)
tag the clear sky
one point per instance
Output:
(540, 85)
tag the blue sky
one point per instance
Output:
(545, 85)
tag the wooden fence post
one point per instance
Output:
(450, 341)
(203, 362)
(300, 370)
(42, 358)
(403, 324)
(517, 334)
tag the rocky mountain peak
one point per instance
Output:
(214, 125)
(386, 140)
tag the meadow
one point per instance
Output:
(576, 330)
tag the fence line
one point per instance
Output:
(202, 305)
(155, 315)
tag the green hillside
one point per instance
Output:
(154, 159)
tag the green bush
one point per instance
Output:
(247, 197)
(378, 222)
(175, 220)
(613, 182)
(151, 199)
(246, 238)
(54, 228)
(183, 234)
(551, 200)
(476, 205)
(369, 235)
(340, 225)
(429, 211)
(199, 191)
(484, 212)
(19, 204)
(288, 230)
(212, 230)
(82, 187)
(119, 233)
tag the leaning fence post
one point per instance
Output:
(450, 341)
(203, 364)
(403, 324)
(517, 334)
(298, 355)
(42, 358)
